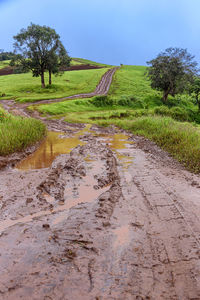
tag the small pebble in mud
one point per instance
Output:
(29, 200)
(46, 226)
(69, 254)
(61, 202)
(96, 187)
(106, 224)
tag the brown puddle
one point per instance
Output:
(119, 143)
(57, 143)
(53, 145)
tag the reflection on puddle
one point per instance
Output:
(52, 146)
(57, 143)
(119, 144)
(122, 236)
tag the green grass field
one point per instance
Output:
(4, 63)
(25, 88)
(131, 80)
(17, 133)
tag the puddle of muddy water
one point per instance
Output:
(119, 144)
(57, 143)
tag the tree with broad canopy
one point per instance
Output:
(39, 49)
(172, 71)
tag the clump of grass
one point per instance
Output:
(17, 133)
(181, 140)
(177, 113)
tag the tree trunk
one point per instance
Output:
(42, 80)
(49, 77)
(165, 96)
(198, 105)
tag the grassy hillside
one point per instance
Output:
(25, 88)
(84, 61)
(130, 80)
(17, 133)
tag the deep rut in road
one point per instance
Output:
(92, 226)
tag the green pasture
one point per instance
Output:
(26, 88)
(4, 63)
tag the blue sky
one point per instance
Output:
(109, 31)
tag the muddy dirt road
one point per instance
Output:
(97, 214)
(115, 218)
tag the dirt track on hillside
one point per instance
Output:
(100, 224)
(101, 89)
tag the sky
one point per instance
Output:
(108, 31)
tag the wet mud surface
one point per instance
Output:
(115, 218)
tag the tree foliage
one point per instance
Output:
(6, 55)
(195, 88)
(171, 71)
(39, 49)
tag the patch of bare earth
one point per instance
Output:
(91, 227)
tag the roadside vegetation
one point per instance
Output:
(17, 133)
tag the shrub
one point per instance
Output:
(130, 101)
(162, 110)
(179, 114)
(101, 101)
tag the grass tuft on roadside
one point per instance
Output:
(17, 133)
(181, 140)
